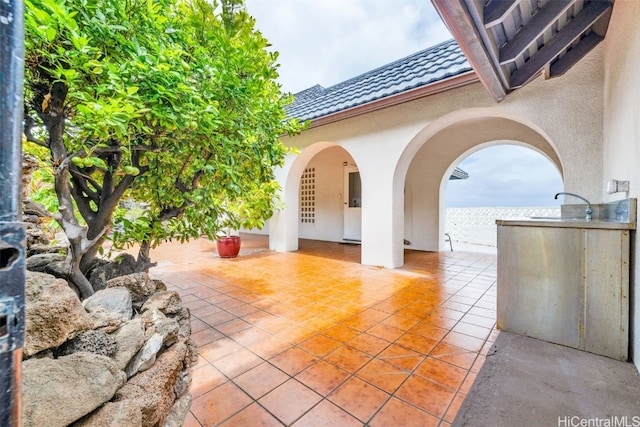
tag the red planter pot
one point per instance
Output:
(228, 246)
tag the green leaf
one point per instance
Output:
(51, 34)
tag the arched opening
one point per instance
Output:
(428, 161)
(505, 180)
(316, 198)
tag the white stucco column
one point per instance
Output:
(283, 231)
(382, 212)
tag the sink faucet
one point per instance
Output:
(588, 211)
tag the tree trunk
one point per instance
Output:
(80, 281)
(144, 257)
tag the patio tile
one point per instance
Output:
(205, 336)
(242, 310)
(269, 347)
(454, 355)
(319, 345)
(472, 330)
(205, 378)
(386, 332)
(463, 341)
(359, 398)
(454, 407)
(233, 326)
(479, 320)
(290, 401)
(237, 363)
(252, 415)
(441, 372)
(348, 358)
(401, 357)
(322, 377)
(295, 334)
(398, 413)
(197, 325)
(219, 404)
(400, 322)
(293, 360)
(260, 380)
(218, 349)
(383, 375)
(416, 342)
(426, 395)
(191, 421)
(468, 382)
(341, 333)
(369, 344)
(428, 330)
(217, 318)
(326, 414)
(250, 335)
(409, 346)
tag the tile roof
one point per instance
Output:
(428, 66)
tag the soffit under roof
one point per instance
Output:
(511, 42)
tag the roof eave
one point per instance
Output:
(458, 21)
(400, 98)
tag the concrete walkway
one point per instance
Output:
(527, 382)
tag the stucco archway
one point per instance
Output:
(329, 159)
(432, 154)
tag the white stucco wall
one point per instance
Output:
(422, 140)
(329, 173)
(621, 158)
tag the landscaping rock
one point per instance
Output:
(152, 390)
(53, 313)
(129, 340)
(57, 392)
(168, 302)
(139, 285)
(183, 382)
(145, 358)
(96, 342)
(42, 261)
(29, 207)
(102, 270)
(157, 323)
(113, 300)
(184, 320)
(178, 412)
(114, 414)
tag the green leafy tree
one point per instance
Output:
(173, 103)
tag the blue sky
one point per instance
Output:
(329, 41)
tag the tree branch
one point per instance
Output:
(29, 124)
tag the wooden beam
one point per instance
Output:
(578, 52)
(587, 16)
(495, 11)
(456, 16)
(533, 29)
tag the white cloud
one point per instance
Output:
(506, 175)
(329, 41)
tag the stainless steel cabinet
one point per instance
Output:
(565, 284)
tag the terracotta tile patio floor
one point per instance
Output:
(313, 338)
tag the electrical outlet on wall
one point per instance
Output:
(615, 186)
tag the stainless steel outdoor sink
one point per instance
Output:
(556, 218)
